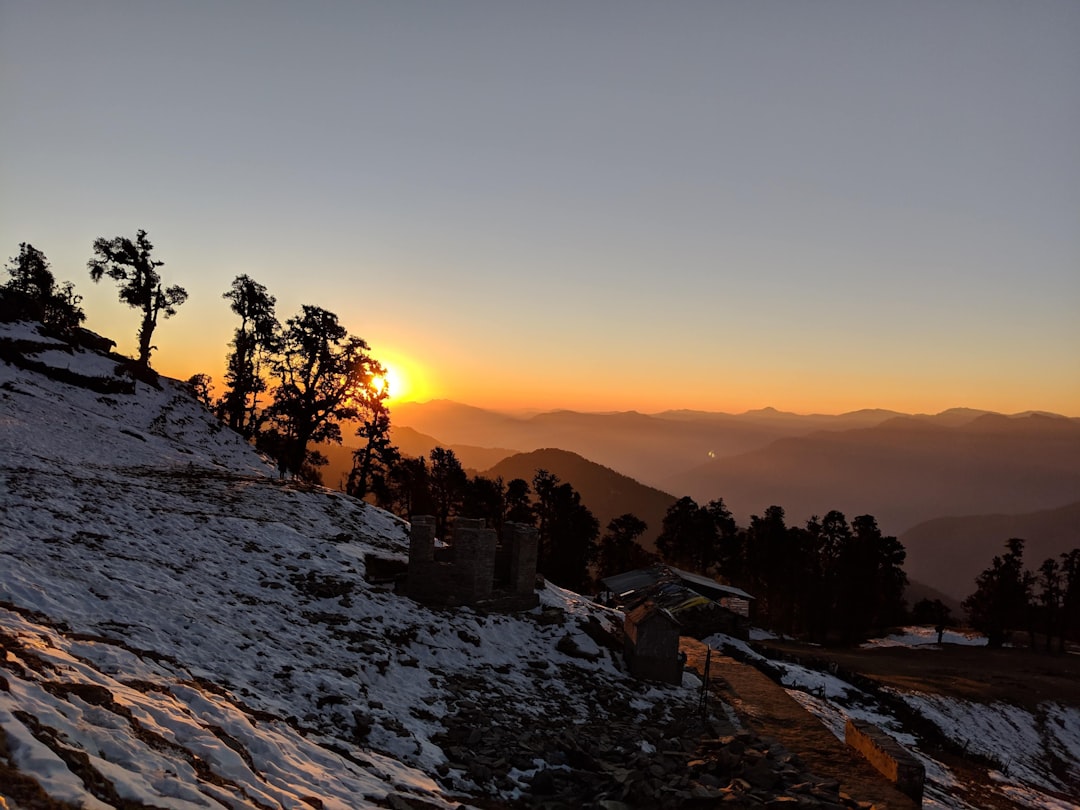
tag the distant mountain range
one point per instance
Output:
(953, 486)
(948, 553)
(607, 493)
(903, 471)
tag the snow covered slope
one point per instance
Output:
(182, 629)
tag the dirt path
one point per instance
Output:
(768, 710)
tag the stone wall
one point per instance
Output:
(894, 761)
(464, 572)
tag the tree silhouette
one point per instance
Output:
(518, 503)
(253, 343)
(485, 498)
(374, 460)
(324, 376)
(408, 489)
(1070, 597)
(567, 532)
(932, 611)
(33, 292)
(688, 537)
(1002, 596)
(871, 580)
(201, 385)
(129, 263)
(619, 549)
(448, 483)
(1049, 582)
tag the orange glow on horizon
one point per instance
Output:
(518, 390)
(403, 378)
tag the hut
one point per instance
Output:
(652, 644)
(702, 605)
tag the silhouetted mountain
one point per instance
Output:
(455, 423)
(607, 493)
(917, 590)
(649, 448)
(903, 471)
(414, 443)
(948, 553)
(411, 443)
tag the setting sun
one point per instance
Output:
(401, 379)
(390, 381)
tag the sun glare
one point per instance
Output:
(392, 382)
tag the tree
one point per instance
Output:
(376, 458)
(34, 293)
(688, 537)
(1070, 597)
(619, 549)
(484, 498)
(201, 385)
(448, 483)
(129, 263)
(769, 561)
(518, 503)
(409, 489)
(1050, 598)
(824, 540)
(253, 343)
(324, 376)
(871, 580)
(1002, 595)
(932, 611)
(567, 532)
(728, 550)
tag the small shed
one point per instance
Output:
(652, 644)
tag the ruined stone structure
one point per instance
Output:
(895, 762)
(652, 644)
(475, 567)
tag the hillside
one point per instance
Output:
(608, 494)
(948, 553)
(903, 471)
(183, 629)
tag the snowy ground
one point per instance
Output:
(1038, 753)
(926, 638)
(188, 629)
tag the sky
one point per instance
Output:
(817, 205)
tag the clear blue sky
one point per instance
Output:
(818, 206)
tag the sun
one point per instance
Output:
(391, 381)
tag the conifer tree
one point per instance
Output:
(35, 294)
(252, 344)
(1002, 597)
(130, 264)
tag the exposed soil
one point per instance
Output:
(1019, 676)
(768, 710)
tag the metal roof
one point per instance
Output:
(648, 577)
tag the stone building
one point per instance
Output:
(652, 644)
(476, 566)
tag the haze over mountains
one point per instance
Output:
(903, 469)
